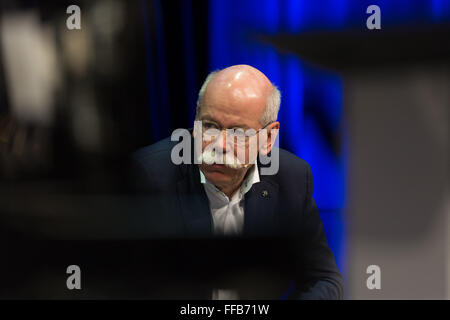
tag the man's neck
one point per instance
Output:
(230, 190)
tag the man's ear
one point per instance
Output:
(267, 139)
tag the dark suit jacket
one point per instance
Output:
(286, 211)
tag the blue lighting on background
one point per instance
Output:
(305, 15)
(292, 118)
(440, 10)
(157, 77)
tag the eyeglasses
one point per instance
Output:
(212, 130)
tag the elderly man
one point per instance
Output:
(225, 191)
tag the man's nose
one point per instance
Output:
(221, 141)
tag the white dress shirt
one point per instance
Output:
(228, 214)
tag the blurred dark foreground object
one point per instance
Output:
(147, 269)
(121, 257)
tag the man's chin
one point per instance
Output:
(216, 172)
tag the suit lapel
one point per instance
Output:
(193, 203)
(259, 210)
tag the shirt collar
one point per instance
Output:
(252, 178)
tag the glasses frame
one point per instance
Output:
(247, 137)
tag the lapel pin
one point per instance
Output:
(265, 193)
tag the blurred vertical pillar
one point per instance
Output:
(397, 194)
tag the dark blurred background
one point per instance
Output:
(367, 109)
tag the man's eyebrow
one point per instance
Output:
(206, 117)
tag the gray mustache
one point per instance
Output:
(227, 159)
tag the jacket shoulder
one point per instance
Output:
(294, 173)
(153, 150)
(289, 159)
(292, 165)
(152, 165)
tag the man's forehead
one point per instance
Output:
(230, 116)
(237, 94)
(227, 121)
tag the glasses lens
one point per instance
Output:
(238, 136)
(210, 132)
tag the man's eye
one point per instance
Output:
(209, 125)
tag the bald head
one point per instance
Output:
(243, 90)
(241, 82)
